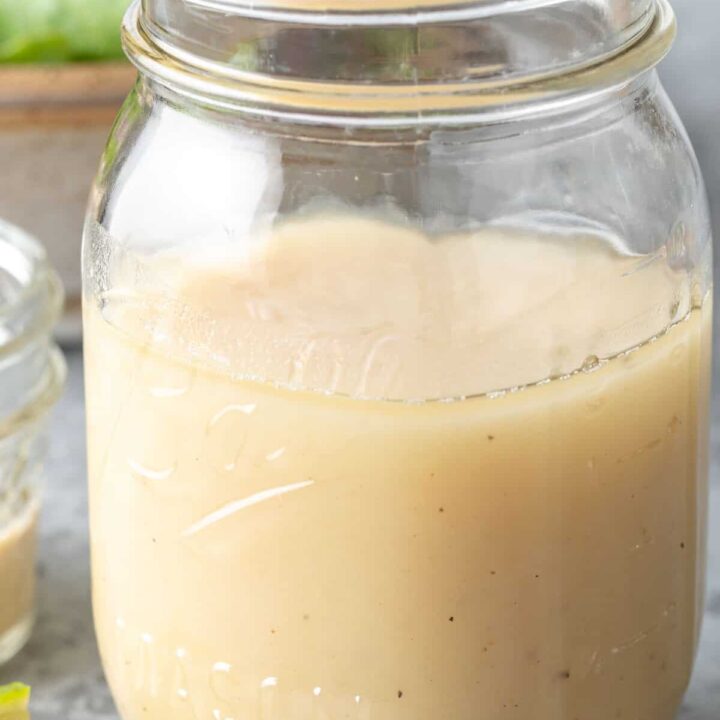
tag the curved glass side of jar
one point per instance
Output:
(398, 423)
(32, 374)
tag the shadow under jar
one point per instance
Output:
(397, 324)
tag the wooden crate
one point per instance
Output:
(54, 121)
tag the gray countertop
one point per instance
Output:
(61, 661)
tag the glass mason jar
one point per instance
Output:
(397, 329)
(32, 374)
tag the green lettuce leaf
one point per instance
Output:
(60, 30)
(14, 700)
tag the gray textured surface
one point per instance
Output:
(61, 660)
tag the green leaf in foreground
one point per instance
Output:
(14, 700)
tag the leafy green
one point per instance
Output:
(14, 699)
(60, 30)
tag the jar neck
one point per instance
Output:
(486, 69)
(574, 115)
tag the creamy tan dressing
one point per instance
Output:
(285, 528)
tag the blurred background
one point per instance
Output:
(691, 74)
(62, 80)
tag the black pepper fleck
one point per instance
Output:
(442, 510)
(399, 693)
(682, 546)
(565, 674)
(491, 438)
(452, 618)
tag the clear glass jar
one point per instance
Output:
(32, 374)
(397, 324)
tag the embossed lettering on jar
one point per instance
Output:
(397, 334)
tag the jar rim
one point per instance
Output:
(370, 12)
(373, 12)
(394, 104)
